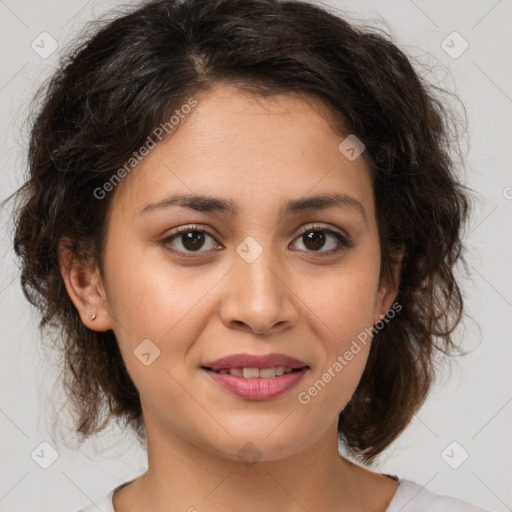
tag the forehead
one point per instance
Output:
(255, 150)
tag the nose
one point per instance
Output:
(258, 296)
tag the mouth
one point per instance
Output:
(257, 373)
(249, 363)
(257, 383)
(256, 376)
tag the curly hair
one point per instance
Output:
(114, 87)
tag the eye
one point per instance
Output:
(314, 238)
(191, 239)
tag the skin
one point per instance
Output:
(293, 299)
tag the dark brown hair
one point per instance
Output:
(127, 77)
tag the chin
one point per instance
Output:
(259, 446)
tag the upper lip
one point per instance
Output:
(255, 361)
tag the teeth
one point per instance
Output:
(267, 373)
(253, 373)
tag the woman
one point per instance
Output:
(248, 222)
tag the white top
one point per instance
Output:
(409, 497)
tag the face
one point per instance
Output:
(259, 278)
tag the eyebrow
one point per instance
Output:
(203, 203)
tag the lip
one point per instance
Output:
(254, 361)
(257, 388)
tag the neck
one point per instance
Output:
(184, 476)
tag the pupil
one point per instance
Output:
(193, 240)
(317, 238)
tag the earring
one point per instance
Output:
(92, 317)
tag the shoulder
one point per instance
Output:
(104, 504)
(409, 497)
(413, 497)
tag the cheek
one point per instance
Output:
(148, 296)
(150, 300)
(344, 306)
(344, 301)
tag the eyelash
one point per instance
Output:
(345, 242)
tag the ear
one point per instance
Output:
(388, 286)
(84, 286)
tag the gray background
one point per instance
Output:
(471, 404)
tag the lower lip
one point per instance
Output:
(257, 388)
